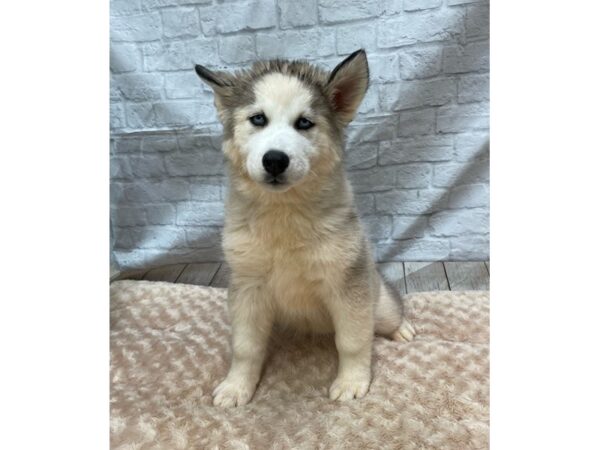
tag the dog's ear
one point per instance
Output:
(347, 85)
(220, 82)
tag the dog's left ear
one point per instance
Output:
(347, 85)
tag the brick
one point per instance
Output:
(470, 116)
(470, 247)
(237, 49)
(410, 29)
(178, 55)
(157, 237)
(374, 130)
(414, 94)
(124, 58)
(252, 15)
(391, 7)
(117, 116)
(462, 2)
(384, 68)
(377, 227)
(471, 57)
(125, 7)
(365, 203)
(157, 191)
(126, 216)
(139, 86)
(159, 143)
(128, 144)
(454, 223)
(420, 63)
(296, 44)
(297, 13)
(470, 146)
(180, 22)
(200, 213)
(200, 142)
(147, 166)
(177, 113)
(370, 103)
(208, 19)
(157, 4)
(477, 21)
(474, 88)
(413, 176)
(115, 94)
(361, 156)
(374, 179)
(206, 190)
(204, 162)
(418, 5)
(119, 167)
(414, 123)
(411, 201)
(401, 151)
(185, 85)
(160, 214)
(469, 196)
(353, 37)
(139, 115)
(408, 227)
(141, 27)
(332, 11)
(455, 174)
(414, 250)
(202, 237)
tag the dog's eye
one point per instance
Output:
(258, 120)
(303, 124)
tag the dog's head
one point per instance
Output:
(283, 120)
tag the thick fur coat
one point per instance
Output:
(297, 250)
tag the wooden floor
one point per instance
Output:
(407, 277)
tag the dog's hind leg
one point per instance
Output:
(389, 320)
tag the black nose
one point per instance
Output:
(275, 162)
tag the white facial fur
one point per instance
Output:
(282, 99)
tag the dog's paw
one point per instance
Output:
(405, 332)
(232, 393)
(347, 388)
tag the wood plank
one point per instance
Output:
(393, 273)
(200, 274)
(221, 278)
(465, 276)
(130, 275)
(165, 273)
(425, 276)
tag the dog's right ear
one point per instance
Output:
(216, 80)
(220, 82)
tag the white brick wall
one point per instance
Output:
(417, 153)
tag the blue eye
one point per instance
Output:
(258, 120)
(303, 124)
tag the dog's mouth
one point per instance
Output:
(276, 183)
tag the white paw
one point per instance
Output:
(233, 393)
(405, 332)
(347, 388)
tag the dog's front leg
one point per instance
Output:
(353, 323)
(251, 324)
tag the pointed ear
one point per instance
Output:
(347, 85)
(220, 82)
(214, 79)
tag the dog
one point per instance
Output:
(298, 254)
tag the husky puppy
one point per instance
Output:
(297, 250)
